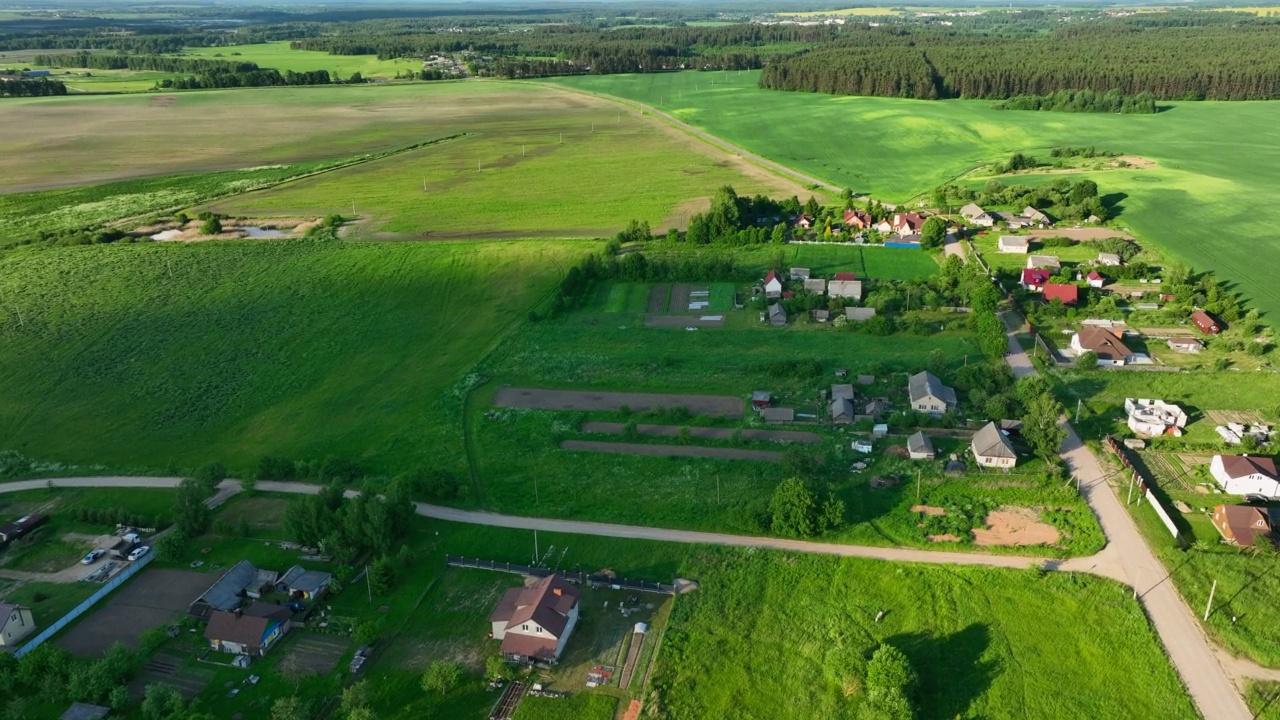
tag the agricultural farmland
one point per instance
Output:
(897, 149)
(310, 348)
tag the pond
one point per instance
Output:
(259, 232)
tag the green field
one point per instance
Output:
(279, 56)
(142, 356)
(1207, 202)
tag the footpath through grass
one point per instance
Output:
(142, 356)
(1207, 201)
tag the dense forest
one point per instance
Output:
(38, 87)
(1207, 62)
(1143, 103)
(202, 73)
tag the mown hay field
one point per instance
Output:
(1207, 201)
(136, 357)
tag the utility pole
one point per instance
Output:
(1129, 499)
(424, 184)
(522, 150)
(477, 166)
(353, 207)
(717, 489)
(1208, 607)
(535, 547)
(368, 586)
(1079, 401)
(535, 489)
(561, 138)
(917, 486)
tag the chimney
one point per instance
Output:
(557, 591)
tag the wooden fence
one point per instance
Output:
(580, 578)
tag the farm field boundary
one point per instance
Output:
(544, 399)
(704, 433)
(670, 450)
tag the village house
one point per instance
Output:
(16, 623)
(798, 273)
(227, 592)
(760, 399)
(1185, 345)
(1095, 279)
(304, 584)
(1205, 322)
(775, 416)
(1049, 262)
(248, 631)
(929, 395)
(1110, 259)
(975, 215)
(777, 315)
(534, 622)
(1103, 343)
(841, 406)
(1034, 279)
(1036, 217)
(991, 448)
(884, 227)
(1014, 244)
(845, 288)
(877, 408)
(819, 315)
(815, 285)
(85, 711)
(1246, 475)
(772, 285)
(804, 221)
(919, 447)
(857, 219)
(859, 314)
(907, 223)
(1241, 524)
(1066, 293)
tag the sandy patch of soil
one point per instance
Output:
(232, 229)
(947, 537)
(1015, 526)
(1137, 162)
(928, 510)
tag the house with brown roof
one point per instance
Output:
(1103, 343)
(804, 221)
(815, 285)
(534, 622)
(857, 219)
(975, 215)
(1206, 322)
(15, 623)
(1241, 524)
(1246, 475)
(907, 223)
(248, 631)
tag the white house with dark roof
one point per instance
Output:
(929, 395)
(919, 447)
(975, 215)
(16, 623)
(1014, 244)
(992, 448)
(534, 622)
(1246, 475)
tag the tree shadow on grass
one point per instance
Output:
(1114, 203)
(951, 669)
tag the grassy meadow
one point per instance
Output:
(279, 56)
(1207, 201)
(148, 356)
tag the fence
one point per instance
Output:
(577, 577)
(105, 590)
(1145, 484)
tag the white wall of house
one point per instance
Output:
(1251, 484)
(930, 405)
(568, 630)
(19, 625)
(994, 462)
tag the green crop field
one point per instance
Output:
(1207, 202)
(280, 56)
(144, 355)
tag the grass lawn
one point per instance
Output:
(151, 358)
(279, 56)
(896, 149)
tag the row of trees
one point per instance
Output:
(345, 527)
(32, 87)
(1144, 103)
(1062, 199)
(1209, 62)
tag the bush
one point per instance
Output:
(212, 226)
(441, 677)
(272, 467)
(340, 469)
(436, 484)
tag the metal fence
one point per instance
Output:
(577, 577)
(105, 590)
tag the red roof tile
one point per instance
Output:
(845, 276)
(1035, 277)
(1067, 293)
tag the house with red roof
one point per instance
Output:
(907, 223)
(1206, 323)
(1095, 279)
(857, 219)
(845, 276)
(1066, 292)
(772, 285)
(1034, 279)
(804, 221)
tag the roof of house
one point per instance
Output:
(820, 314)
(773, 275)
(844, 276)
(243, 628)
(1015, 241)
(911, 220)
(926, 384)
(1034, 214)
(546, 602)
(1044, 261)
(1238, 466)
(990, 442)
(1204, 321)
(802, 272)
(1244, 522)
(776, 310)
(842, 391)
(778, 414)
(6, 611)
(1103, 343)
(1066, 292)
(1035, 277)
(529, 646)
(308, 581)
(841, 407)
(1185, 342)
(859, 313)
(225, 593)
(1094, 275)
(845, 288)
(972, 211)
(85, 711)
(919, 443)
(1109, 257)
(761, 396)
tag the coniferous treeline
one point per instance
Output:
(1211, 62)
(151, 39)
(1084, 101)
(37, 87)
(204, 73)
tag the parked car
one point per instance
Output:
(92, 557)
(139, 552)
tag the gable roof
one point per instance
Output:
(1015, 241)
(1047, 261)
(972, 210)
(246, 627)
(6, 611)
(1034, 214)
(1103, 343)
(842, 391)
(1244, 523)
(1238, 466)
(1110, 258)
(778, 414)
(1094, 275)
(919, 443)
(85, 711)
(926, 384)
(1035, 277)
(1065, 292)
(1205, 322)
(777, 311)
(910, 220)
(841, 407)
(844, 276)
(546, 602)
(225, 593)
(772, 276)
(990, 442)
(308, 581)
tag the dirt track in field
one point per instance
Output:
(540, 399)
(670, 450)
(704, 433)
